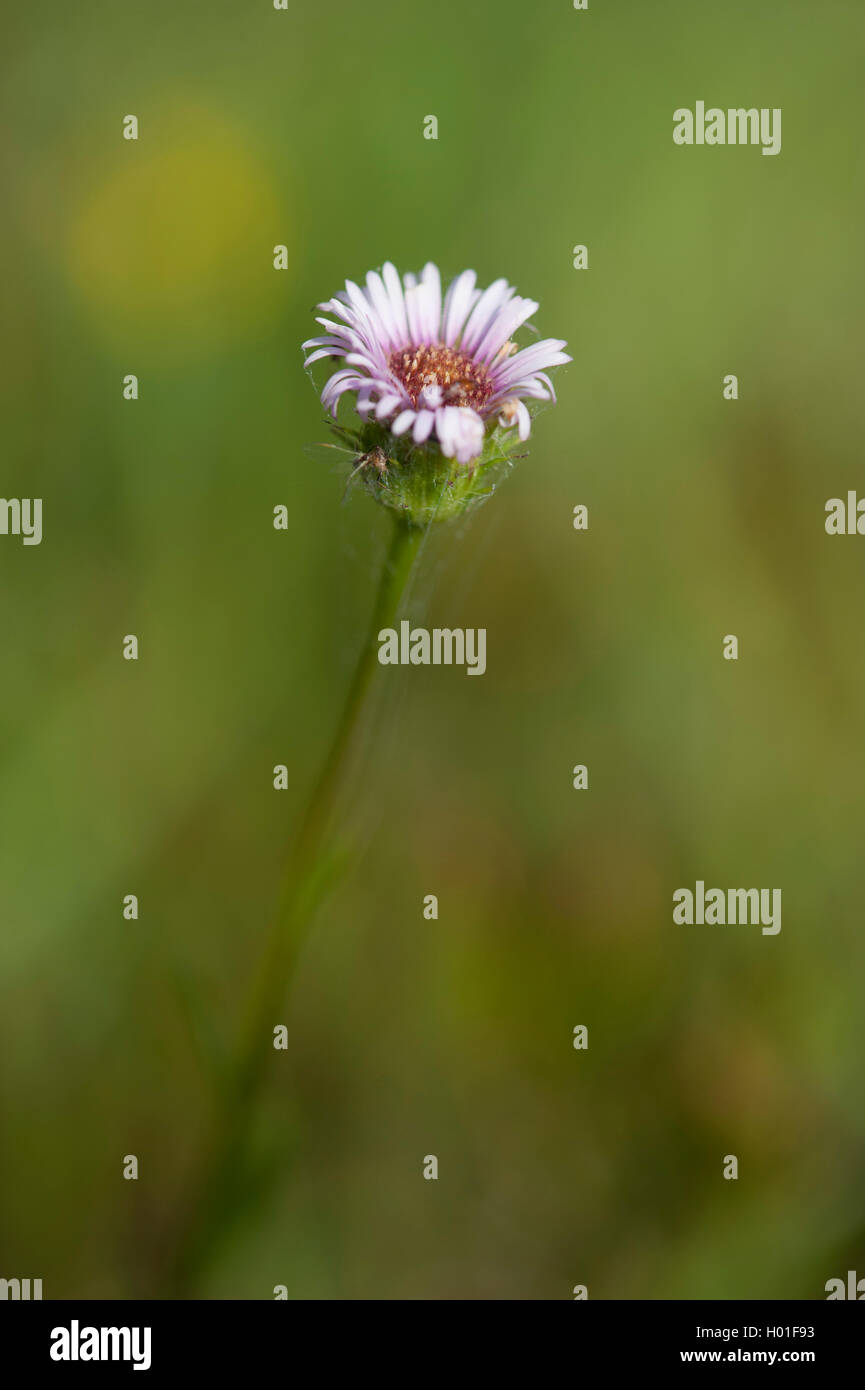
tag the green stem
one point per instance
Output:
(302, 887)
(301, 893)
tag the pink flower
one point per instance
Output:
(442, 366)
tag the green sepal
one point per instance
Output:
(419, 482)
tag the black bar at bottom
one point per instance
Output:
(221, 1338)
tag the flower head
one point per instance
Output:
(434, 372)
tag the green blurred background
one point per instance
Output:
(409, 1037)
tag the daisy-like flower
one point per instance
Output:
(429, 367)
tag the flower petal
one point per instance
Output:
(530, 361)
(397, 301)
(402, 422)
(460, 432)
(460, 299)
(432, 305)
(423, 426)
(322, 352)
(381, 303)
(503, 325)
(487, 306)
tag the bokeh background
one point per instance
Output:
(409, 1037)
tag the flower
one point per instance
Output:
(435, 368)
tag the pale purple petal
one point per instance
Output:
(322, 352)
(423, 426)
(533, 387)
(531, 360)
(431, 279)
(545, 380)
(414, 310)
(431, 397)
(323, 341)
(444, 430)
(460, 432)
(386, 406)
(487, 306)
(459, 300)
(504, 324)
(339, 329)
(397, 301)
(340, 382)
(378, 295)
(402, 422)
(360, 359)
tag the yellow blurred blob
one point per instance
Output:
(173, 250)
